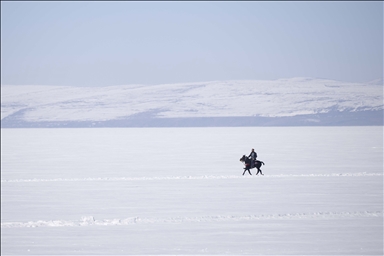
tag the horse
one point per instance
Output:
(247, 162)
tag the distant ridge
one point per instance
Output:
(283, 102)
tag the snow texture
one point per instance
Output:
(180, 191)
(283, 102)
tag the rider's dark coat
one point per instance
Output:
(253, 155)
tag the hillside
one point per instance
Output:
(283, 102)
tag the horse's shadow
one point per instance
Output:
(247, 162)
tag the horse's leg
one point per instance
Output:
(247, 169)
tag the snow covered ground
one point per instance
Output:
(294, 101)
(181, 191)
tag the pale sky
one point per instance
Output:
(116, 43)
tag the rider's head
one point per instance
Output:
(253, 149)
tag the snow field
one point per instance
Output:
(180, 191)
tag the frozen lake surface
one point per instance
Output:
(181, 191)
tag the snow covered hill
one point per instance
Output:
(287, 102)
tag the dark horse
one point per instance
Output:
(247, 162)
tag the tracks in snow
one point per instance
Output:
(204, 177)
(91, 221)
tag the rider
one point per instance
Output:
(253, 156)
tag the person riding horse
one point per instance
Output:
(247, 161)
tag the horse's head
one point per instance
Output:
(242, 159)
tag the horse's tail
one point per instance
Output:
(262, 162)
